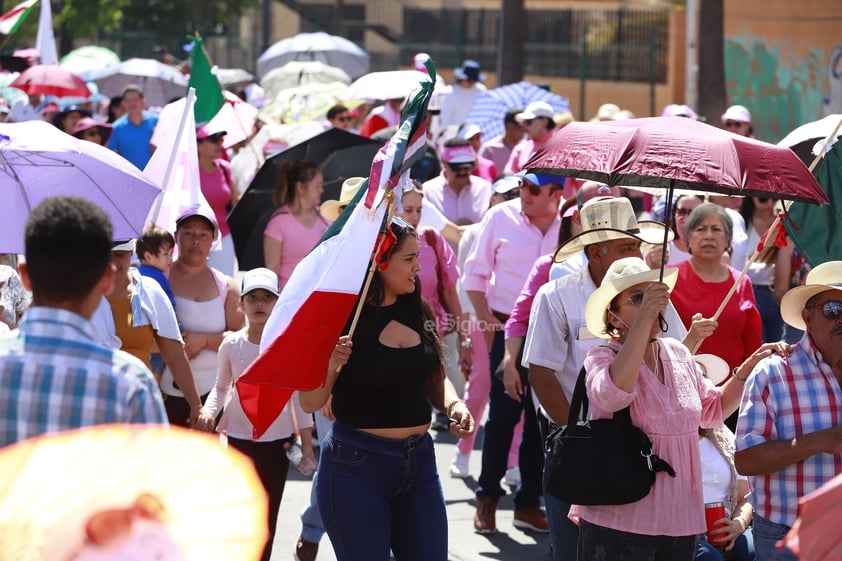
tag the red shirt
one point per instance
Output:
(738, 333)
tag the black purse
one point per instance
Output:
(599, 462)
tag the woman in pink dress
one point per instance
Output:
(297, 226)
(669, 399)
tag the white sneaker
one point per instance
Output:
(459, 465)
(512, 478)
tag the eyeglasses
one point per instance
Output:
(683, 211)
(729, 124)
(831, 309)
(635, 299)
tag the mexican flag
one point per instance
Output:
(12, 20)
(316, 303)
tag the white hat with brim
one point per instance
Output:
(714, 368)
(332, 208)
(261, 277)
(622, 274)
(610, 218)
(827, 276)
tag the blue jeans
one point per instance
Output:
(770, 314)
(743, 549)
(564, 534)
(312, 528)
(766, 533)
(378, 493)
(503, 414)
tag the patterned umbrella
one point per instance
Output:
(490, 109)
(309, 102)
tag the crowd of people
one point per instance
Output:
(493, 287)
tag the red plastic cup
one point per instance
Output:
(714, 512)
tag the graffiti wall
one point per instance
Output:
(781, 88)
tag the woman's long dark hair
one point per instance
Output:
(291, 173)
(420, 314)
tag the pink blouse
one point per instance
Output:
(297, 239)
(438, 269)
(670, 414)
(217, 191)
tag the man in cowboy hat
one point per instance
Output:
(789, 432)
(558, 340)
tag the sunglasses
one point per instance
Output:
(683, 211)
(763, 199)
(635, 299)
(733, 124)
(345, 118)
(831, 309)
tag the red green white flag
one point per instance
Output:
(316, 303)
(12, 20)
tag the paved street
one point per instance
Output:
(465, 545)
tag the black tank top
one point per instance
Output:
(381, 386)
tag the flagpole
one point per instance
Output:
(768, 237)
(390, 211)
(188, 106)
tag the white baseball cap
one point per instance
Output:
(260, 277)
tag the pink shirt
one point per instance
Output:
(217, 191)
(497, 151)
(297, 240)
(670, 414)
(485, 169)
(438, 271)
(524, 150)
(538, 277)
(466, 207)
(503, 254)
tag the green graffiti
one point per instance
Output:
(781, 91)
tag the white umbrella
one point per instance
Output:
(233, 76)
(160, 82)
(299, 73)
(330, 49)
(391, 84)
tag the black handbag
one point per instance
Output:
(599, 462)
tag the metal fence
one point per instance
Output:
(614, 45)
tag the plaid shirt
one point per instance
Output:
(54, 376)
(781, 401)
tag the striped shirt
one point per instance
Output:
(54, 376)
(783, 400)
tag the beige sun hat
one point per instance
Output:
(331, 209)
(827, 276)
(622, 274)
(610, 218)
(714, 368)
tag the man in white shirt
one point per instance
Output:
(457, 104)
(27, 109)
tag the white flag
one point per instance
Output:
(46, 41)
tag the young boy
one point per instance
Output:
(154, 250)
(239, 349)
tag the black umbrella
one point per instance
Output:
(340, 155)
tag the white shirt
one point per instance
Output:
(236, 353)
(558, 337)
(457, 104)
(739, 241)
(22, 111)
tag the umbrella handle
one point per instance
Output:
(662, 322)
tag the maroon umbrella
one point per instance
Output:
(676, 153)
(672, 152)
(50, 80)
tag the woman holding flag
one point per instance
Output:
(377, 482)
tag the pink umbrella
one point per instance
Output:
(37, 161)
(50, 80)
(235, 117)
(815, 535)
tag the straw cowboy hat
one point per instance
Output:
(610, 218)
(622, 274)
(827, 276)
(331, 208)
(714, 368)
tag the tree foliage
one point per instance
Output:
(83, 17)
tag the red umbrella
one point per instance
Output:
(50, 80)
(815, 535)
(672, 152)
